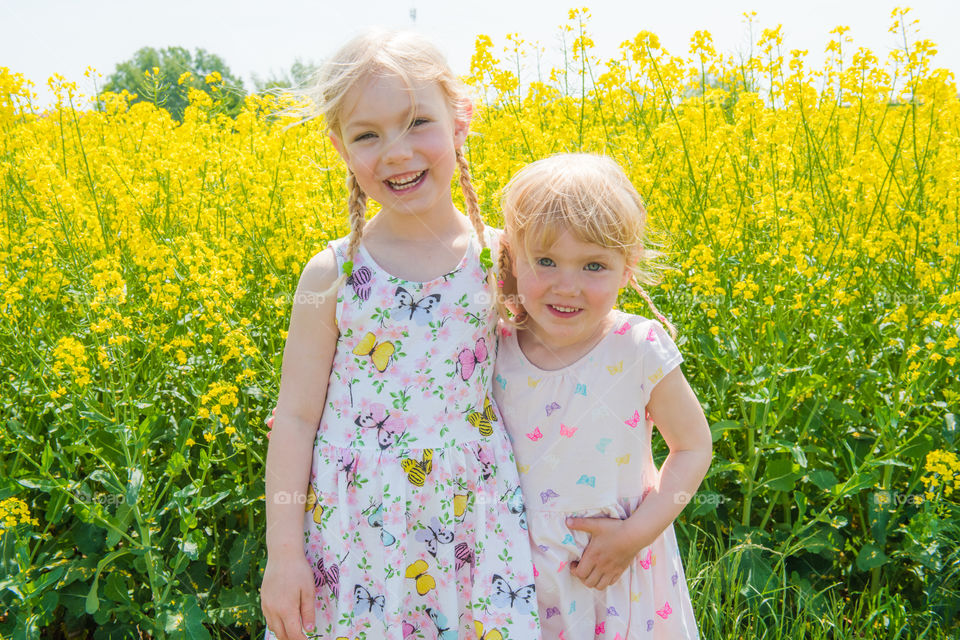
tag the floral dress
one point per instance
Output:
(582, 441)
(414, 522)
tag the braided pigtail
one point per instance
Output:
(473, 213)
(357, 208)
(662, 318)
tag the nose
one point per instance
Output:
(566, 283)
(397, 150)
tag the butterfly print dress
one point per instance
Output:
(413, 523)
(582, 443)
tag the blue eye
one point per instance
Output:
(594, 266)
(545, 262)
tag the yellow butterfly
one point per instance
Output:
(313, 503)
(623, 459)
(523, 468)
(417, 471)
(460, 504)
(615, 369)
(493, 634)
(483, 421)
(418, 571)
(379, 353)
(656, 375)
(533, 382)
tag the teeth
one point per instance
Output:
(404, 182)
(564, 309)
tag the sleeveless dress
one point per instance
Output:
(414, 523)
(582, 443)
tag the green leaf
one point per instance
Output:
(134, 482)
(717, 429)
(193, 619)
(823, 478)
(949, 428)
(93, 602)
(871, 556)
(780, 474)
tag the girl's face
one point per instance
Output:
(568, 289)
(400, 142)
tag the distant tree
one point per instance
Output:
(168, 89)
(300, 73)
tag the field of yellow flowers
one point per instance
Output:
(812, 220)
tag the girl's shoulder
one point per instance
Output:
(647, 335)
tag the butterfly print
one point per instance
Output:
(329, 577)
(375, 520)
(444, 632)
(418, 470)
(550, 408)
(463, 555)
(379, 352)
(588, 480)
(483, 421)
(377, 417)
(515, 504)
(366, 602)
(666, 611)
(648, 561)
(634, 421)
(420, 310)
(567, 431)
(418, 571)
(545, 496)
(468, 359)
(623, 329)
(433, 534)
(504, 596)
(361, 280)
(535, 434)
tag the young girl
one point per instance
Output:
(580, 385)
(391, 488)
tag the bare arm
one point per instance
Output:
(614, 543)
(287, 591)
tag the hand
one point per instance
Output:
(270, 421)
(608, 554)
(287, 598)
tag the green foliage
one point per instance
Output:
(157, 76)
(299, 75)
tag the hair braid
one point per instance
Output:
(662, 318)
(473, 213)
(357, 208)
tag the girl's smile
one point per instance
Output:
(568, 290)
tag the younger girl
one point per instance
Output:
(580, 385)
(391, 489)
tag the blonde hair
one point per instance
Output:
(415, 60)
(591, 197)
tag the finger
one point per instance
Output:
(307, 612)
(291, 625)
(580, 524)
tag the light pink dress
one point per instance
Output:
(582, 444)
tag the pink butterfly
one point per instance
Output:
(535, 434)
(553, 406)
(329, 577)
(567, 431)
(470, 359)
(634, 421)
(361, 281)
(622, 330)
(666, 611)
(646, 563)
(408, 630)
(505, 332)
(652, 335)
(463, 555)
(536, 574)
(601, 628)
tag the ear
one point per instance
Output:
(338, 145)
(461, 124)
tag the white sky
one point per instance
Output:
(42, 37)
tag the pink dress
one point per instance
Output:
(414, 522)
(582, 444)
